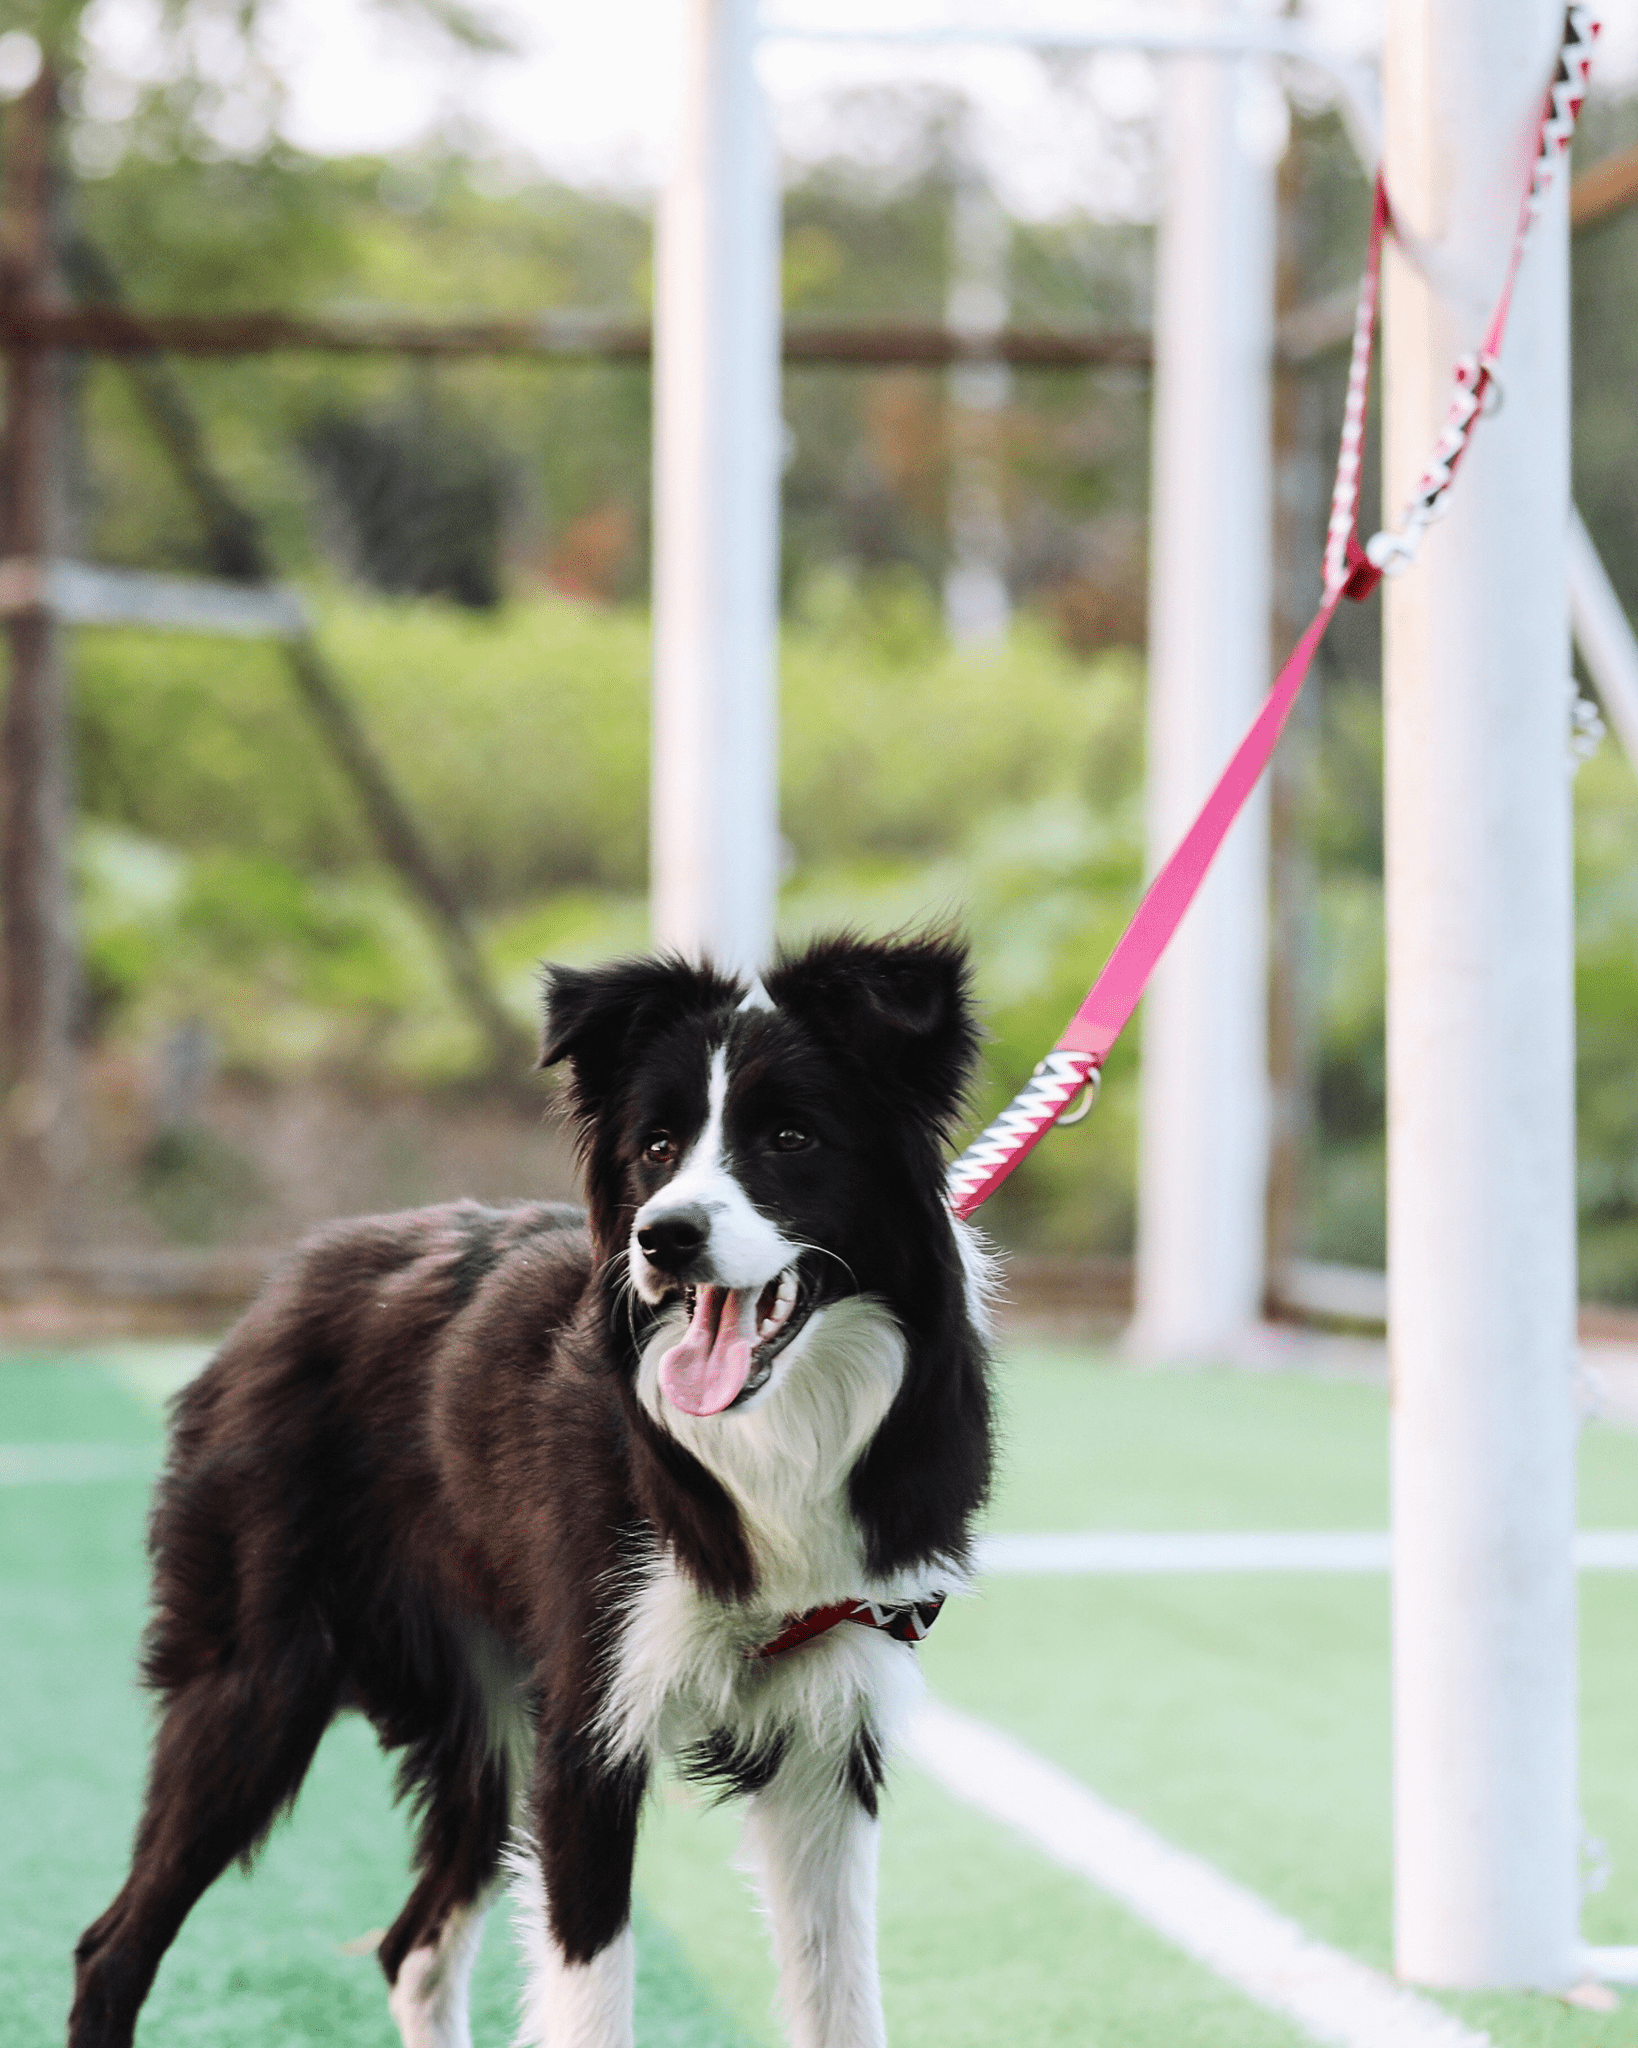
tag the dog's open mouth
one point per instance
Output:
(732, 1340)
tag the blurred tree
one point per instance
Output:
(418, 494)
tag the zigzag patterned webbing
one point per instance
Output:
(1395, 548)
(907, 1622)
(1340, 543)
(1018, 1129)
(1568, 90)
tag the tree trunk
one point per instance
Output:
(40, 956)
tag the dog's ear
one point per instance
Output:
(598, 1018)
(901, 1008)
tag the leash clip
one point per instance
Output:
(1081, 1104)
(1495, 391)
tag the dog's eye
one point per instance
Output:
(790, 1139)
(660, 1148)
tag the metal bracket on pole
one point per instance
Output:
(83, 594)
(1605, 637)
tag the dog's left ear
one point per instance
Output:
(597, 1018)
(900, 1007)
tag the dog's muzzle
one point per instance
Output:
(674, 1241)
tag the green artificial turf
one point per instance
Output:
(260, 1961)
(1244, 1717)
(1087, 1445)
(983, 1942)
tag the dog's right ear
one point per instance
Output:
(597, 1018)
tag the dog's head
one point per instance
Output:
(758, 1152)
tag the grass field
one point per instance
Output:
(1246, 1718)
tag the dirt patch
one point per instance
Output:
(179, 1210)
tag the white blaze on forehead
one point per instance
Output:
(743, 1247)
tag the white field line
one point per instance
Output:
(73, 1464)
(1092, 1553)
(1331, 1997)
(1122, 1553)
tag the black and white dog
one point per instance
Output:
(554, 1496)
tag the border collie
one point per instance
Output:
(554, 1497)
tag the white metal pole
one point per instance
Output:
(1204, 1140)
(1481, 1194)
(977, 605)
(717, 434)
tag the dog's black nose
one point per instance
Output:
(676, 1239)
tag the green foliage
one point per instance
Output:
(189, 229)
(1607, 1012)
(193, 226)
(1604, 324)
(198, 744)
(206, 234)
(225, 874)
(289, 968)
(54, 24)
(895, 743)
(525, 736)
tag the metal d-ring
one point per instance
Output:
(1495, 395)
(1080, 1105)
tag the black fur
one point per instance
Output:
(866, 1769)
(735, 1768)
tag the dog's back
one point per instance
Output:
(304, 1463)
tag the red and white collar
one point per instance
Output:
(905, 1621)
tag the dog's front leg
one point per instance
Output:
(813, 1844)
(571, 1888)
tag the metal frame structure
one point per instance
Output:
(1207, 32)
(1481, 1018)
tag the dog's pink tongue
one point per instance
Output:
(703, 1373)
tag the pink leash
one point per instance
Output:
(1074, 1064)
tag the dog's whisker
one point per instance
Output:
(625, 1286)
(824, 1252)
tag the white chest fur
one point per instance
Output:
(682, 1670)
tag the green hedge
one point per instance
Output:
(225, 876)
(522, 736)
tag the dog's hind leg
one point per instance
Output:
(232, 1749)
(429, 1995)
(429, 1950)
(568, 2001)
(571, 1893)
